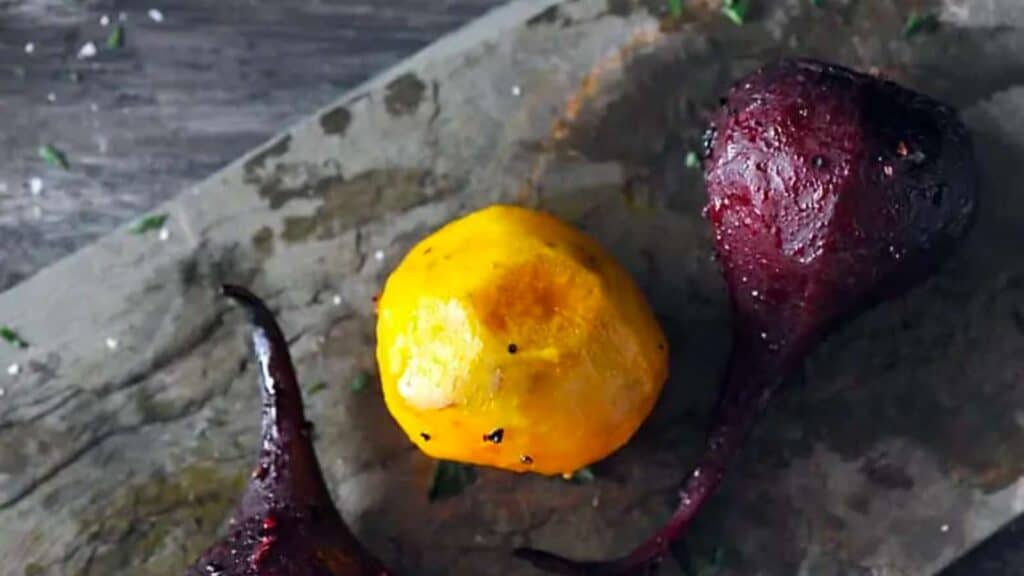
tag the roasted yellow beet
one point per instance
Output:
(511, 339)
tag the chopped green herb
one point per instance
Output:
(149, 223)
(115, 39)
(316, 388)
(675, 7)
(736, 10)
(450, 479)
(582, 476)
(11, 336)
(359, 382)
(918, 23)
(692, 160)
(818, 3)
(53, 157)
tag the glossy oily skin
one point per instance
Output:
(510, 339)
(828, 191)
(286, 524)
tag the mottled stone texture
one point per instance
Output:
(898, 448)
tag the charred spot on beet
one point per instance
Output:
(495, 436)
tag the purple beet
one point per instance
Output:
(829, 191)
(286, 524)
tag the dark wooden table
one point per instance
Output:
(184, 96)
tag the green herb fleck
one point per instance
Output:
(692, 160)
(675, 8)
(115, 39)
(53, 157)
(450, 479)
(918, 23)
(11, 336)
(359, 382)
(316, 388)
(736, 10)
(149, 223)
(582, 476)
(818, 3)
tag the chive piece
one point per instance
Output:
(675, 8)
(450, 479)
(736, 10)
(11, 336)
(582, 476)
(692, 160)
(359, 382)
(53, 157)
(316, 388)
(149, 223)
(918, 23)
(115, 39)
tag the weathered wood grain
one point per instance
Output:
(182, 98)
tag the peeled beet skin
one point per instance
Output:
(828, 190)
(286, 524)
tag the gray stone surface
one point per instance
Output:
(899, 448)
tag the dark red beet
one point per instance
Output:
(828, 190)
(286, 524)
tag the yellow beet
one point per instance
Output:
(510, 339)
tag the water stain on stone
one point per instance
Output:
(263, 242)
(404, 94)
(550, 15)
(275, 150)
(621, 8)
(367, 196)
(158, 526)
(335, 122)
(882, 471)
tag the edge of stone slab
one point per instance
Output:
(56, 295)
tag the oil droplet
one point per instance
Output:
(887, 170)
(755, 293)
(14, 369)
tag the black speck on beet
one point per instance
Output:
(495, 436)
